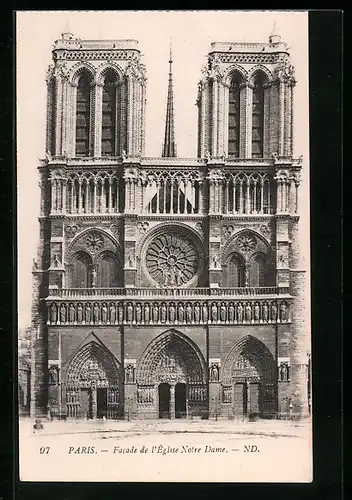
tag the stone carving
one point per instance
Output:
(214, 372)
(168, 313)
(53, 313)
(94, 241)
(130, 374)
(199, 227)
(53, 375)
(265, 231)
(143, 227)
(227, 394)
(239, 313)
(72, 313)
(227, 231)
(71, 231)
(248, 313)
(246, 243)
(114, 228)
(172, 260)
(79, 313)
(284, 372)
(112, 313)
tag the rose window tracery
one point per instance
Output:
(246, 243)
(172, 259)
(94, 241)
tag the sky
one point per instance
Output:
(191, 33)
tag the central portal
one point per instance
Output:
(164, 400)
(180, 401)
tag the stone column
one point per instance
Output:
(172, 401)
(281, 116)
(98, 109)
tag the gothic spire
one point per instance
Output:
(169, 146)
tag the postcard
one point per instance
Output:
(163, 246)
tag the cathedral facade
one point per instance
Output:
(169, 287)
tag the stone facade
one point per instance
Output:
(168, 287)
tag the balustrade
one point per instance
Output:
(128, 312)
(75, 293)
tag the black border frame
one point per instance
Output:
(325, 55)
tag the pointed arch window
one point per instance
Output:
(234, 117)
(108, 141)
(83, 115)
(258, 117)
(236, 274)
(81, 272)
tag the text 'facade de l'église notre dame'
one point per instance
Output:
(169, 287)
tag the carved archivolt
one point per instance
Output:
(172, 357)
(93, 365)
(249, 359)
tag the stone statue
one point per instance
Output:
(129, 313)
(53, 375)
(163, 312)
(104, 313)
(205, 312)
(172, 313)
(88, 312)
(273, 312)
(62, 314)
(197, 313)
(79, 313)
(129, 373)
(240, 313)
(248, 313)
(265, 312)
(215, 262)
(165, 276)
(214, 373)
(223, 312)
(138, 313)
(53, 313)
(94, 278)
(155, 313)
(179, 277)
(112, 313)
(283, 311)
(181, 313)
(189, 313)
(146, 313)
(214, 313)
(72, 313)
(284, 372)
(172, 276)
(256, 312)
(96, 313)
(231, 313)
(120, 314)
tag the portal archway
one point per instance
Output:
(249, 379)
(172, 359)
(93, 383)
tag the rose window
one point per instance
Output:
(172, 260)
(94, 242)
(246, 243)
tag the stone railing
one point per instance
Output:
(146, 293)
(178, 312)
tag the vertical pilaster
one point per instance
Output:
(58, 115)
(281, 116)
(98, 113)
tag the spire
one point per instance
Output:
(274, 36)
(169, 146)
